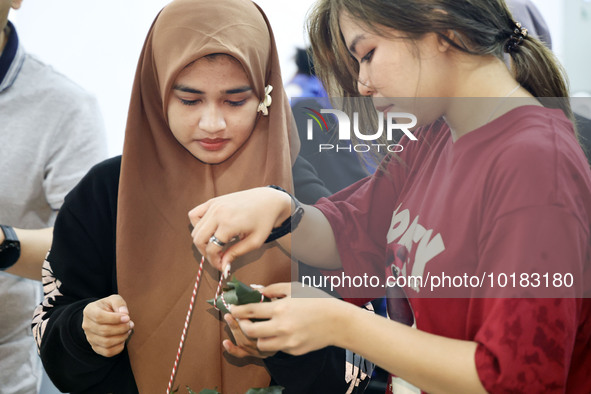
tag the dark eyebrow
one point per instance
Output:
(238, 90)
(187, 89)
(356, 40)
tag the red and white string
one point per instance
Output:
(190, 312)
(183, 335)
(219, 289)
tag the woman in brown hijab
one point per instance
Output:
(208, 116)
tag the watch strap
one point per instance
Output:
(289, 224)
(10, 249)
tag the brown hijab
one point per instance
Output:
(161, 182)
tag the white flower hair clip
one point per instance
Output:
(264, 105)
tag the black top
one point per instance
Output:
(336, 168)
(82, 269)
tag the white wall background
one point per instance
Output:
(97, 43)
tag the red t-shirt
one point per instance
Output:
(512, 197)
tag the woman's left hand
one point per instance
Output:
(245, 346)
(295, 325)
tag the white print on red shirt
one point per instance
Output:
(407, 234)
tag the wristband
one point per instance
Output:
(291, 223)
(10, 249)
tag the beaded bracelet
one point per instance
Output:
(291, 223)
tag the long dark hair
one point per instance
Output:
(479, 27)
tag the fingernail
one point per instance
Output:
(124, 318)
(131, 324)
(123, 309)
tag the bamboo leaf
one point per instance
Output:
(237, 293)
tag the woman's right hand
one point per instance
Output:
(107, 325)
(245, 217)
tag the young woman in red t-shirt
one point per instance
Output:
(492, 188)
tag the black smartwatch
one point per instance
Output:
(10, 249)
(291, 222)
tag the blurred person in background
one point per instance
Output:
(51, 133)
(337, 169)
(529, 15)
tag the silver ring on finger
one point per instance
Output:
(214, 240)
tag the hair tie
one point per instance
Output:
(266, 102)
(517, 36)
